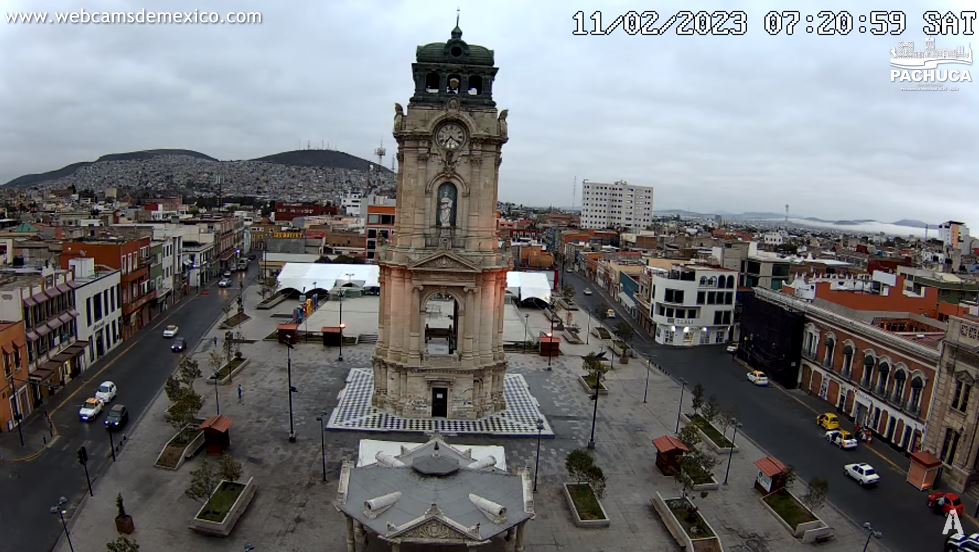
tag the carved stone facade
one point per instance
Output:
(954, 421)
(445, 249)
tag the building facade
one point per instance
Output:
(616, 205)
(443, 274)
(693, 305)
(379, 228)
(952, 426)
(99, 321)
(15, 394)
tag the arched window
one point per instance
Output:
(899, 379)
(730, 282)
(868, 370)
(914, 404)
(830, 349)
(432, 83)
(883, 371)
(447, 205)
(475, 85)
(847, 360)
(453, 84)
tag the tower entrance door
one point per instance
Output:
(440, 402)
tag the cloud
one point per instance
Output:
(714, 123)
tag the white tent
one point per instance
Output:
(529, 285)
(308, 276)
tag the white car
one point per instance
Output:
(90, 410)
(106, 392)
(171, 330)
(843, 439)
(224, 282)
(758, 378)
(587, 292)
(862, 473)
(732, 348)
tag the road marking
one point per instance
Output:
(135, 342)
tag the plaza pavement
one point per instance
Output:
(293, 511)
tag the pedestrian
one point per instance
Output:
(240, 393)
(215, 341)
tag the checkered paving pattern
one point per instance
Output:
(355, 413)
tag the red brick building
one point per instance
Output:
(15, 394)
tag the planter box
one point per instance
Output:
(227, 379)
(711, 485)
(814, 530)
(165, 459)
(602, 390)
(226, 524)
(271, 302)
(718, 449)
(707, 543)
(576, 519)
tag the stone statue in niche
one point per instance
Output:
(399, 117)
(447, 206)
(501, 122)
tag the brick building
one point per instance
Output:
(15, 393)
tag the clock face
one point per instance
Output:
(450, 136)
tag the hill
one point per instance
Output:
(320, 158)
(29, 180)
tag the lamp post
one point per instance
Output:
(550, 344)
(645, 388)
(526, 338)
(730, 452)
(217, 401)
(870, 533)
(60, 511)
(321, 419)
(340, 356)
(598, 385)
(112, 444)
(683, 386)
(588, 331)
(292, 430)
(540, 428)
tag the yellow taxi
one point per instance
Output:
(828, 421)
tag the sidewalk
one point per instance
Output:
(293, 508)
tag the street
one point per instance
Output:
(783, 422)
(139, 368)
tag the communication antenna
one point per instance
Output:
(786, 213)
(574, 192)
(380, 152)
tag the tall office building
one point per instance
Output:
(616, 205)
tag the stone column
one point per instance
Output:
(414, 323)
(519, 540)
(351, 546)
(469, 318)
(359, 535)
(509, 541)
(395, 547)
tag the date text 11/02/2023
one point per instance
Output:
(785, 22)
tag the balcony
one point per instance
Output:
(133, 306)
(809, 355)
(912, 408)
(140, 273)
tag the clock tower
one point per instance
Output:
(443, 273)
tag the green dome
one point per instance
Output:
(455, 50)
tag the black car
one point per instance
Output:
(179, 344)
(117, 417)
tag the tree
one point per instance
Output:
(226, 309)
(600, 311)
(596, 367)
(567, 292)
(122, 544)
(184, 401)
(229, 344)
(624, 331)
(203, 481)
(229, 468)
(267, 288)
(690, 435)
(697, 397)
(694, 467)
(711, 409)
(724, 421)
(596, 478)
(790, 476)
(816, 497)
(577, 463)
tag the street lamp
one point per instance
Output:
(60, 511)
(598, 385)
(340, 356)
(526, 339)
(588, 331)
(217, 401)
(321, 419)
(870, 533)
(645, 388)
(683, 385)
(540, 427)
(730, 452)
(292, 430)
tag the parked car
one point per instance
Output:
(117, 417)
(171, 331)
(732, 348)
(106, 392)
(962, 543)
(610, 313)
(842, 438)
(587, 292)
(227, 274)
(758, 377)
(90, 409)
(828, 421)
(252, 257)
(862, 473)
(178, 345)
(942, 503)
(224, 282)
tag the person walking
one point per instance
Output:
(241, 392)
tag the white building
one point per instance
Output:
(693, 305)
(616, 205)
(99, 322)
(773, 238)
(955, 235)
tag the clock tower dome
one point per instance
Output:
(443, 272)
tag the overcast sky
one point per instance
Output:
(738, 123)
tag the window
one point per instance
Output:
(97, 304)
(711, 298)
(949, 444)
(88, 310)
(960, 399)
(674, 295)
(373, 219)
(717, 318)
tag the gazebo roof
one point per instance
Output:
(770, 466)
(436, 494)
(669, 443)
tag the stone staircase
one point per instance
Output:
(367, 338)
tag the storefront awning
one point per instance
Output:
(29, 301)
(31, 335)
(66, 317)
(55, 323)
(64, 288)
(43, 330)
(44, 372)
(52, 292)
(626, 300)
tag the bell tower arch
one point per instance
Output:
(443, 273)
